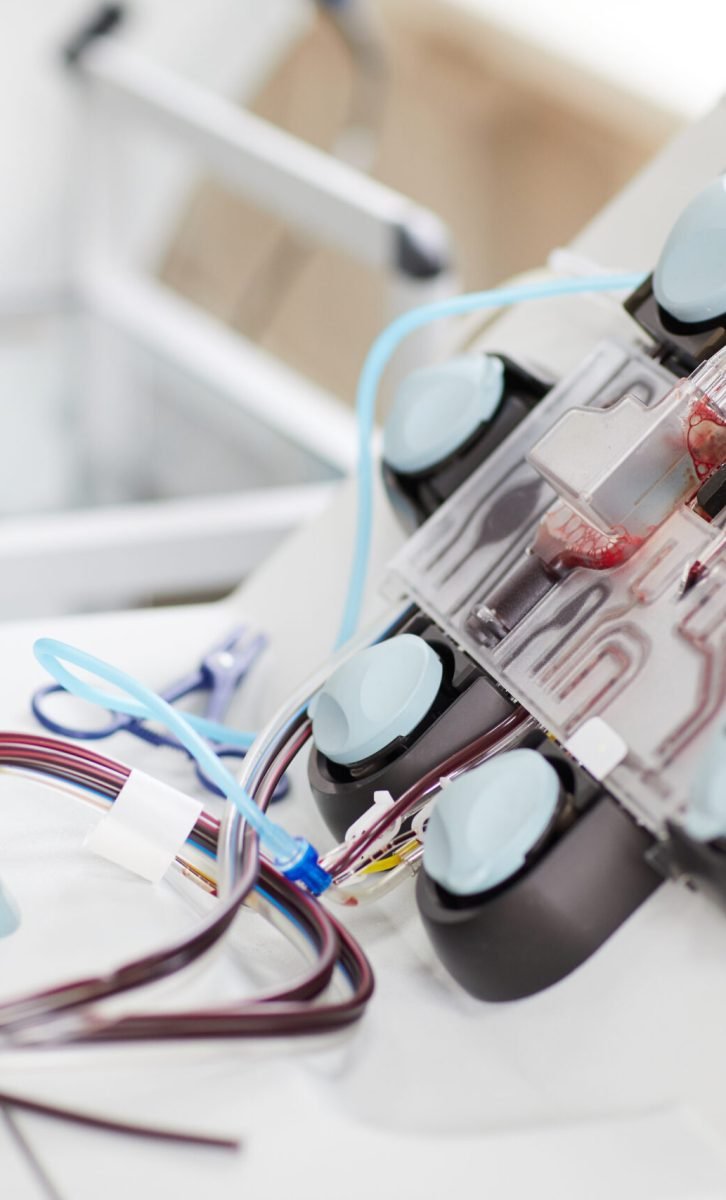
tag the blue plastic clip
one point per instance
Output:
(305, 868)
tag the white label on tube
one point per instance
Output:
(146, 827)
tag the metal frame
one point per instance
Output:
(313, 192)
(75, 562)
(154, 317)
(316, 195)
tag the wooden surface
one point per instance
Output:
(512, 171)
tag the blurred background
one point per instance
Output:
(180, 341)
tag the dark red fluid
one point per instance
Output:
(706, 438)
(569, 541)
(566, 540)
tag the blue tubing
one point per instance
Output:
(145, 703)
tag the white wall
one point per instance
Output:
(669, 53)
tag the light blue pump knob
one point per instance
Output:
(706, 817)
(437, 409)
(485, 823)
(690, 279)
(378, 695)
(9, 913)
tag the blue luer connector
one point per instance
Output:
(305, 868)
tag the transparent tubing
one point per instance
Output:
(710, 379)
(273, 739)
(53, 655)
(620, 472)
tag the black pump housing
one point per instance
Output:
(468, 704)
(414, 497)
(536, 928)
(681, 347)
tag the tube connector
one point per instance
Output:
(305, 868)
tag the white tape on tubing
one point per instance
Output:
(146, 827)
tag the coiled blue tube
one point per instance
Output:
(140, 701)
(375, 364)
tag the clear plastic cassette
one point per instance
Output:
(559, 566)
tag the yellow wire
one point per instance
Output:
(381, 864)
(390, 861)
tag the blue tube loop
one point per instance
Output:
(293, 855)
